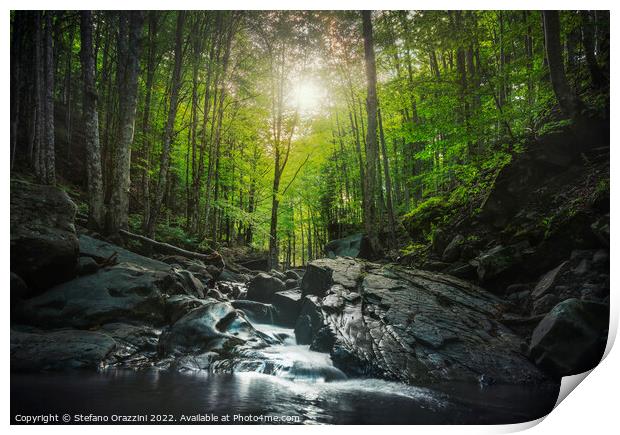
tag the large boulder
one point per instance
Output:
(44, 245)
(263, 286)
(214, 327)
(571, 339)
(256, 311)
(501, 261)
(37, 350)
(453, 250)
(346, 247)
(287, 304)
(134, 290)
(323, 273)
(409, 325)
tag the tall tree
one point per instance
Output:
(128, 64)
(90, 119)
(566, 98)
(370, 214)
(164, 164)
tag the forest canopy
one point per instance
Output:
(282, 130)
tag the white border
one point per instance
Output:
(591, 409)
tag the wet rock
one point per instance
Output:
(322, 274)
(544, 304)
(291, 274)
(184, 282)
(309, 321)
(290, 283)
(37, 350)
(517, 288)
(216, 326)
(256, 311)
(228, 275)
(410, 325)
(277, 274)
(125, 292)
(100, 250)
(44, 245)
(86, 266)
(176, 306)
(288, 305)
(453, 250)
(571, 338)
(136, 345)
(262, 287)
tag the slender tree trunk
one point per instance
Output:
(90, 116)
(164, 165)
(128, 67)
(48, 156)
(370, 218)
(388, 186)
(146, 114)
(566, 99)
(587, 32)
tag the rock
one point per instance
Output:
(439, 241)
(216, 326)
(86, 266)
(123, 292)
(500, 260)
(547, 281)
(291, 274)
(461, 270)
(435, 265)
(346, 247)
(136, 345)
(19, 289)
(517, 288)
(600, 228)
(184, 282)
(287, 304)
(277, 274)
(544, 304)
(321, 274)
(44, 245)
(571, 339)
(256, 311)
(409, 325)
(262, 287)
(37, 350)
(228, 275)
(453, 250)
(309, 321)
(231, 289)
(290, 283)
(100, 250)
(176, 306)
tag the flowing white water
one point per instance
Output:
(289, 360)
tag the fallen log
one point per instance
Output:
(165, 248)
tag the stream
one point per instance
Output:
(289, 384)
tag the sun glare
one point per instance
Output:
(307, 97)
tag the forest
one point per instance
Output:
(339, 217)
(283, 130)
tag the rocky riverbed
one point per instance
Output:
(340, 328)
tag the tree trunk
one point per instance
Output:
(164, 165)
(96, 211)
(370, 222)
(388, 186)
(130, 29)
(566, 99)
(587, 32)
(48, 156)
